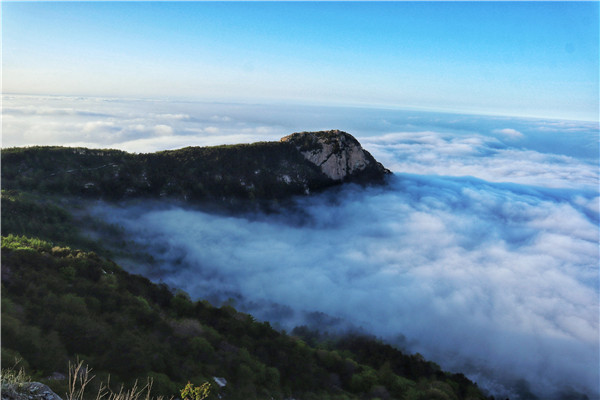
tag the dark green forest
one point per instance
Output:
(237, 172)
(242, 175)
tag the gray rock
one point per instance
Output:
(338, 154)
(28, 391)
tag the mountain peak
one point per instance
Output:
(338, 154)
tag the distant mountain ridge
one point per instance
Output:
(298, 164)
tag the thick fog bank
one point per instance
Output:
(498, 280)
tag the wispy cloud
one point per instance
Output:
(509, 132)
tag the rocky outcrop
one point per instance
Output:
(338, 154)
(28, 391)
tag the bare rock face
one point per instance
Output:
(28, 391)
(339, 155)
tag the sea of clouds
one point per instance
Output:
(481, 253)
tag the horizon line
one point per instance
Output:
(310, 103)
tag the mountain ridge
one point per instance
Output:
(298, 164)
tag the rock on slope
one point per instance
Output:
(28, 391)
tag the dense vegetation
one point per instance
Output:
(62, 299)
(257, 174)
(244, 173)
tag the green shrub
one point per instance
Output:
(189, 392)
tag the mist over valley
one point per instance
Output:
(480, 252)
(498, 282)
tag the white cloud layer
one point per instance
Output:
(136, 126)
(480, 156)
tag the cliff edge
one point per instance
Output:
(338, 154)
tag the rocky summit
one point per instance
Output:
(338, 154)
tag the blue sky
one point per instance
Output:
(512, 58)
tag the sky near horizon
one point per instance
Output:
(535, 59)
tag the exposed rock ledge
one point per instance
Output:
(28, 391)
(338, 154)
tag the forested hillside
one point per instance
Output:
(242, 174)
(61, 300)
